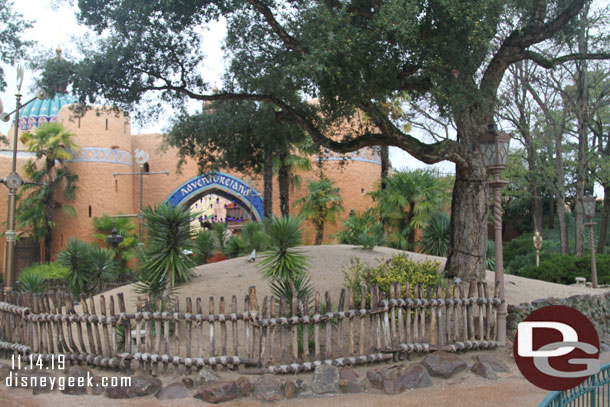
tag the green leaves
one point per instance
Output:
(285, 266)
(205, 245)
(323, 204)
(52, 145)
(88, 266)
(164, 261)
(436, 234)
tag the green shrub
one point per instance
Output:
(254, 237)
(205, 246)
(362, 230)
(32, 280)
(436, 234)
(76, 257)
(50, 271)
(234, 247)
(221, 230)
(563, 269)
(399, 269)
(490, 257)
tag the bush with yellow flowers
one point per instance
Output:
(399, 269)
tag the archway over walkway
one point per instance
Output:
(216, 181)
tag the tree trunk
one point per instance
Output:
(385, 164)
(284, 181)
(49, 210)
(319, 233)
(603, 227)
(268, 184)
(536, 202)
(582, 115)
(551, 219)
(468, 226)
(560, 195)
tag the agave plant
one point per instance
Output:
(164, 261)
(205, 246)
(103, 267)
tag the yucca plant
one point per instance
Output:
(221, 230)
(436, 234)
(254, 237)
(205, 246)
(283, 261)
(103, 266)
(33, 281)
(283, 265)
(164, 261)
(235, 247)
(77, 258)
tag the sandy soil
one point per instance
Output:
(233, 277)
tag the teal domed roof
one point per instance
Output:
(39, 111)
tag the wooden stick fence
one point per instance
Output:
(275, 336)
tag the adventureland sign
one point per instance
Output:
(221, 181)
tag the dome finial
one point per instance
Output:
(58, 51)
(215, 89)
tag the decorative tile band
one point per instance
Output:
(367, 155)
(26, 123)
(101, 155)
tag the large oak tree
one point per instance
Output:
(352, 55)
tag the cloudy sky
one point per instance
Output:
(55, 24)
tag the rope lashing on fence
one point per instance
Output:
(259, 338)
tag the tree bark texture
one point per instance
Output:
(268, 184)
(603, 227)
(385, 164)
(582, 115)
(284, 181)
(469, 219)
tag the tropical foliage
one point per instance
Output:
(436, 234)
(362, 230)
(88, 267)
(51, 145)
(407, 201)
(164, 261)
(205, 245)
(127, 248)
(285, 266)
(32, 280)
(322, 204)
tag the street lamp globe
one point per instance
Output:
(589, 204)
(494, 147)
(114, 239)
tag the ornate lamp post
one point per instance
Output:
(537, 245)
(13, 181)
(589, 205)
(494, 148)
(114, 239)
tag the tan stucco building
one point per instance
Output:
(107, 149)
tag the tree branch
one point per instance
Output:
(549, 63)
(277, 28)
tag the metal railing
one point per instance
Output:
(593, 392)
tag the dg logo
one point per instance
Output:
(556, 348)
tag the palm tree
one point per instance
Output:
(52, 145)
(322, 205)
(407, 201)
